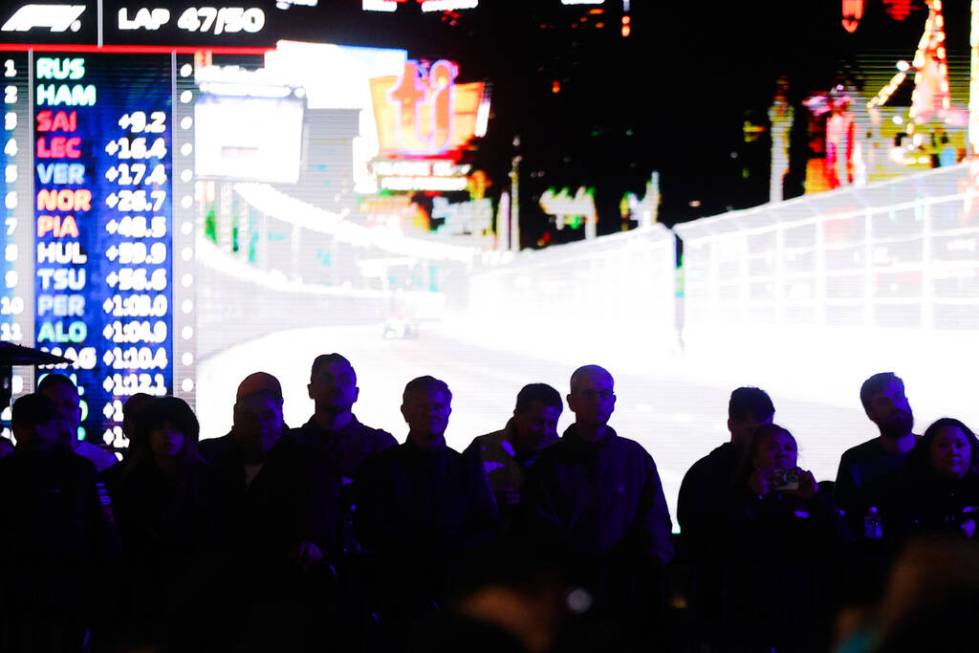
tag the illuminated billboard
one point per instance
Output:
(423, 112)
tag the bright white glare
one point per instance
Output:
(448, 5)
(295, 213)
(230, 146)
(482, 118)
(380, 5)
(245, 90)
(336, 77)
(424, 183)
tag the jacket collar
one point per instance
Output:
(574, 440)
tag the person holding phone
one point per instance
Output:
(773, 465)
(783, 532)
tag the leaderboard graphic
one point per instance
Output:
(88, 264)
(103, 276)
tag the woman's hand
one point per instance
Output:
(808, 488)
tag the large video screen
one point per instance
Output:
(179, 216)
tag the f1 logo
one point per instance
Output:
(57, 18)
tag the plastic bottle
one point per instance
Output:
(872, 529)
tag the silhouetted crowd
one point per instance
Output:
(333, 537)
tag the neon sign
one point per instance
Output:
(423, 112)
(422, 175)
(572, 210)
(472, 217)
(898, 9)
(852, 13)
